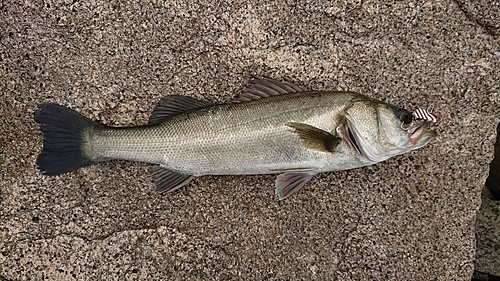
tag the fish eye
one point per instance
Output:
(404, 116)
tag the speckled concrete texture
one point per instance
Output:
(488, 238)
(409, 218)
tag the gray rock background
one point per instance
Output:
(409, 218)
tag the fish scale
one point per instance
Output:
(238, 138)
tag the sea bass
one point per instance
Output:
(273, 127)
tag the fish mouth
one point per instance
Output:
(420, 135)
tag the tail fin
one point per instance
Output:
(63, 129)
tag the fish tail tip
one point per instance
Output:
(63, 131)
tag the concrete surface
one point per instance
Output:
(488, 238)
(409, 218)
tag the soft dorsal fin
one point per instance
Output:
(315, 138)
(263, 87)
(173, 105)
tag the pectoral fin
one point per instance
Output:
(315, 138)
(167, 181)
(290, 182)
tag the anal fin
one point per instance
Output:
(290, 182)
(167, 180)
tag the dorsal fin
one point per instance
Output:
(263, 87)
(173, 105)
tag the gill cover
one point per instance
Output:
(376, 129)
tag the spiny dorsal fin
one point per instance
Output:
(263, 87)
(173, 105)
(290, 182)
(167, 181)
(315, 138)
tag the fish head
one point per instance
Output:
(378, 131)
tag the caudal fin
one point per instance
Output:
(64, 131)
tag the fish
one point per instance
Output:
(273, 127)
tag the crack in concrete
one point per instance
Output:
(489, 28)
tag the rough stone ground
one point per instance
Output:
(488, 238)
(409, 218)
